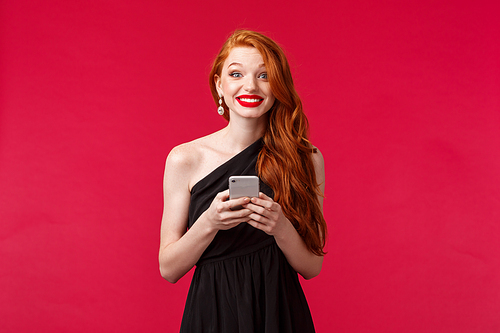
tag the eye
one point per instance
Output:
(235, 74)
(263, 76)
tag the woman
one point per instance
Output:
(246, 260)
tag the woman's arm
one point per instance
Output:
(269, 218)
(181, 249)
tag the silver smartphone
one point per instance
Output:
(243, 186)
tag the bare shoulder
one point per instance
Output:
(319, 165)
(184, 158)
(179, 167)
(185, 162)
(317, 158)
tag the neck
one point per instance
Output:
(242, 132)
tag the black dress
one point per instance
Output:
(242, 282)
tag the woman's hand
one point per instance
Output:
(267, 215)
(219, 215)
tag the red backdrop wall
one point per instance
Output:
(403, 101)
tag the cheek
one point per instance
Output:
(271, 102)
(270, 96)
(227, 87)
(268, 92)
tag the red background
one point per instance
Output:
(403, 101)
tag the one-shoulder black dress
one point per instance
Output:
(242, 282)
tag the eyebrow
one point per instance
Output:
(240, 64)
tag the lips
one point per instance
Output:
(250, 101)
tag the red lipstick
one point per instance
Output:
(249, 101)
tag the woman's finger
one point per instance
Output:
(257, 208)
(223, 196)
(236, 204)
(259, 218)
(256, 224)
(265, 197)
(266, 203)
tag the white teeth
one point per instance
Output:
(249, 100)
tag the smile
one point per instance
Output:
(249, 101)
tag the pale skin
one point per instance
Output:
(243, 74)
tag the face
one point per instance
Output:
(244, 85)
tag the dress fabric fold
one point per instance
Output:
(242, 282)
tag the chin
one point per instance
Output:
(251, 115)
(248, 113)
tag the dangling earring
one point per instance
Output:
(220, 110)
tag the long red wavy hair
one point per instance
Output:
(285, 162)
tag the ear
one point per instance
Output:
(218, 84)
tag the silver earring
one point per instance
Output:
(220, 110)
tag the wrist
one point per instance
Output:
(286, 232)
(205, 225)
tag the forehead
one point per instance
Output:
(244, 55)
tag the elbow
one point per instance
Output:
(167, 275)
(166, 270)
(311, 274)
(313, 270)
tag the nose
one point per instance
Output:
(250, 84)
